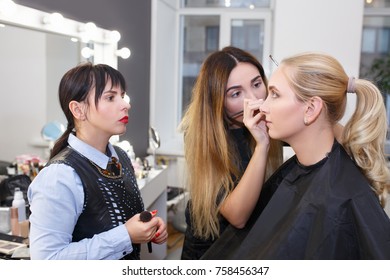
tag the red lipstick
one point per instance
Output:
(124, 120)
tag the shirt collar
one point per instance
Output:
(90, 152)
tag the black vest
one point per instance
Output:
(109, 201)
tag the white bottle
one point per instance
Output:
(19, 203)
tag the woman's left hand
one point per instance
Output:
(161, 234)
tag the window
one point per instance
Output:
(376, 46)
(201, 35)
(225, 3)
(186, 35)
(212, 38)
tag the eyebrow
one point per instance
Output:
(114, 91)
(235, 87)
(271, 87)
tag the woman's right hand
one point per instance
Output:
(255, 122)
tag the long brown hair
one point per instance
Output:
(210, 158)
(76, 85)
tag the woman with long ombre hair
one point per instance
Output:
(227, 163)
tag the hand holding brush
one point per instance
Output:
(146, 216)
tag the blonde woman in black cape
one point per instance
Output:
(327, 201)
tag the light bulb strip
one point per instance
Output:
(55, 23)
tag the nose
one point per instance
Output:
(251, 94)
(127, 104)
(264, 107)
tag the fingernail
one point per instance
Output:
(154, 212)
(157, 234)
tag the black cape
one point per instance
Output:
(324, 211)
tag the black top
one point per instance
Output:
(109, 199)
(324, 211)
(194, 247)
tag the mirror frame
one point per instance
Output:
(104, 49)
(33, 20)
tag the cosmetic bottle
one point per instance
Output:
(15, 228)
(5, 219)
(20, 204)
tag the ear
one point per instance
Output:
(313, 109)
(77, 109)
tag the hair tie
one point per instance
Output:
(351, 84)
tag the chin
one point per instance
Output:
(274, 136)
(120, 131)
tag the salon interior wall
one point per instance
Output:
(331, 26)
(133, 20)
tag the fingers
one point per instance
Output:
(252, 107)
(154, 230)
(252, 112)
(161, 234)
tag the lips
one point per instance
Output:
(124, 120)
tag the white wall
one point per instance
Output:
(330, 26)
(163, 86)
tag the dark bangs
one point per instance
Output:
(102, 74)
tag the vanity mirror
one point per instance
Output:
(154, 144)
(36, 49)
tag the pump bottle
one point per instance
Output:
(20, 204)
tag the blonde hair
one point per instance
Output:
(211, 160)
(364, 135)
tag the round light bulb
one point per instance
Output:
(53, 19)
(90, 27)
(86, 52)
(115, 36)
(7, 7)
(123, 53)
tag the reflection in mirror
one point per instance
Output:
(154, 144)
(34, 56)
(52, 131)
(33, 63)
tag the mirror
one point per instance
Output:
(34, 56)
(154, 144)
(52, 131)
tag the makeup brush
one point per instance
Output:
(145, 217)
(240, 113)
(235, 115)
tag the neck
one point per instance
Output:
(97, 141)
(313, 146)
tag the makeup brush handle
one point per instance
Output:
(145, 217)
